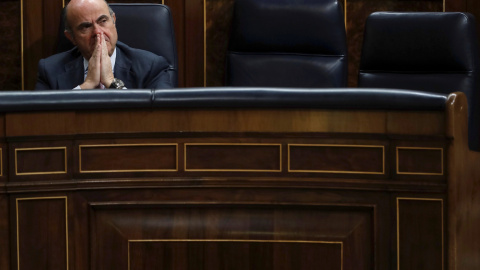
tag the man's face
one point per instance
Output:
(87, 18)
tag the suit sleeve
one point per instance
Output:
(160, 77)
(42, 82)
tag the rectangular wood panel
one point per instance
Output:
(233, 157)
(43, 160)
(419, 161)
(420, 234)
(4, 232)
(127, 158)
(234, 254)
(332, 158)
(212, 236)
(42, 234)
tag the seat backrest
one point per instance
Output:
(429, 51)
(287, 43)
(143, 26)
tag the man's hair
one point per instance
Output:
(65, 19)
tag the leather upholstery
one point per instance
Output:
(225, 97)
(287, 43)
(333, 98)
(142, 26)
(427, 51)
(55, 100)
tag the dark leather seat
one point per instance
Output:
(143, 26)
(433, 52)
(287, 43)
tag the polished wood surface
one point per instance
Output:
(239, 189)
(463, 193)
(41, 232)
(4, 230)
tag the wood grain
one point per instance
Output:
(463, 192)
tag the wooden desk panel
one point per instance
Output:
(273, 189)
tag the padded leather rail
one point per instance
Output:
(225, 97)
(54, 100)
(335, 98)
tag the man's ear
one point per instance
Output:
(69, 36)
(114, 18)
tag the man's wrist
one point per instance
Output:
(116, 84)
(108, 82)
(87, 85)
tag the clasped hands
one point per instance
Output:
(99, 66)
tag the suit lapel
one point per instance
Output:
(122, 69)
(73, 75)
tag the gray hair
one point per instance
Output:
(65, 19)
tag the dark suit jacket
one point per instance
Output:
(138, 69)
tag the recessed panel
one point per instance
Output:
(244, 236)
(42, 237)
(234, 255)
(45, 160)
(233, 157)
(419, 161)
(331, 158)
(127, 158)
(420, 234)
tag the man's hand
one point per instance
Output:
(94, 64)
(106, 72)
(99, 66)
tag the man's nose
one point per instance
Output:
(97, 29)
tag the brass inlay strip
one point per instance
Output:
(126, 145)
(231, 144)
(17, 219)
(338, 145)
(419, 148)
(238, 240)
(40, 149)
(398, 226)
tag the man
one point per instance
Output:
(98, 60)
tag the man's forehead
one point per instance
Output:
(87, 9)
